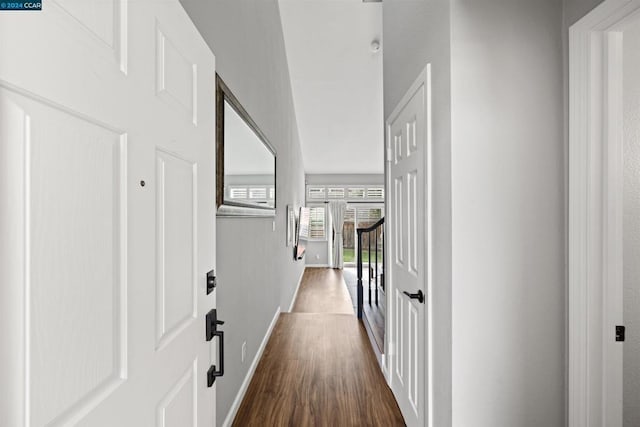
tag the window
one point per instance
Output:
(363, 192)
(368, 216)
(316, 193)
(375, 193)
(358, 216)
(257, 193)
(238, 193)
(317, 222)
(356, 193)
(335, 193)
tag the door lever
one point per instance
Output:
(419, 296)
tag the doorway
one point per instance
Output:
(604, 232)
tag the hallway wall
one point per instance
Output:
(498, 117)
(256, 271)
(508, 213)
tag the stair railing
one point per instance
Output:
(375, 274)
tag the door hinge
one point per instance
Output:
(620, 330)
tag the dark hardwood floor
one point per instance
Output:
(318, 368)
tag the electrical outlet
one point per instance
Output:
(244, 351)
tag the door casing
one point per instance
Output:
(594, 303)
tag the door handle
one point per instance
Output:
(211, 324)
(213, 373)
(211, 330)
(419, 296)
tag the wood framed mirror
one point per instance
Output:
(245, 163)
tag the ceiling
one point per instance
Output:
(337, 83)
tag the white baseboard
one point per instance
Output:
(317, 266)
(372, 340)
(385, 371)
(295, 294)
(247, 379)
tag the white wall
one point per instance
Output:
(631, 226)
(502, 61)
(508, 213)
(317, 253)
(417, 32)
(256, 271)
(344, 179)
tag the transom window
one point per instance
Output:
(255, 194)
(316, 193)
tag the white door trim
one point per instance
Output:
(423, 79)
(595, 218)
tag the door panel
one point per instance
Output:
(65, 264)
(408, 145)
(110, 225)
(180, 405)
(176, 228)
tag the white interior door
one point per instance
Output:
(108, 211)
(409, 232)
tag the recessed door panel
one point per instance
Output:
(398, 197)
(179, 407)
(399, 333)
(176, 207)
(65, 217)
(102, 24)
(412, 136)
(176, 75)
(412, 222)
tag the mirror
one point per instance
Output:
(246, 161)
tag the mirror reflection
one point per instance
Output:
(249, 165)
(246, 161)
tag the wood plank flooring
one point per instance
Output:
(318, 368)
(322, 290)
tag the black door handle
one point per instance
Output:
(213, 373)
(211, 323)
(211, 330)
(419, 296)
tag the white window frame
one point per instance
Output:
(345, 188)
(326, 222)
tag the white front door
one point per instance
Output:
(107, 219)
(408, 145)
